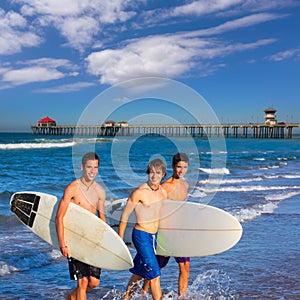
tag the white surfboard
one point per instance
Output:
(89, 239)
(187, 229)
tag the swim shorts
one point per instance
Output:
(78, 269)
(163, 260)
(145, 262)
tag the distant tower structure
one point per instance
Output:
(270, 117)
(46, 122)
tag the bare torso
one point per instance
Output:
(87, 198)
(147, 210)
(177, 189)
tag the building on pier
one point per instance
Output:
(269, 129)
(270, 117)
(46, 122)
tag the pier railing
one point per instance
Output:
(250, 130)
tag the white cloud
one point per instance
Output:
(206, 8)
(84, 23)
(173, 55)
(79, 21)
(66, 88)
(48, 62)
(38, 70)
(14, 34)
(88, 23)
(236, 24)
(28, 75)
(51, 7)
(285, 55)
(152, 56)
(201, 7)
(79, 32)
(263, 5)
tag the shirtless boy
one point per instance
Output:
(177, 189)
(146, 202)
(88, 194)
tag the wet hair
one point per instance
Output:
(89, 156)
(157, 163)
(180, 156)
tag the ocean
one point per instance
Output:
(256, 180)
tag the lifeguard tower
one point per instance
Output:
(270, 117)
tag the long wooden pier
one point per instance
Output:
(250, 130)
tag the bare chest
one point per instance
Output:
(87, 200)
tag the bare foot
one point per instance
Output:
(67, 296)
(71, 295)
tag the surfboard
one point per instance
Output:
(89, 239)
(186, 229)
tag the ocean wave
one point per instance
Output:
(23, 263)
(35, 145)
(6, 269)
(251, 213)
(229, 181)
(294, 176)
(247, 188)
(287, 158)
(281, 196)
(215, 170)
(268, 207)
(269, 167)
(197, 194)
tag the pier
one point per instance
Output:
(251, 130)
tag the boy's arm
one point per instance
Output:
(59, 220)
(132, 201)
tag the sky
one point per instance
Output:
(57, 57)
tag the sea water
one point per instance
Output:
(257, 181)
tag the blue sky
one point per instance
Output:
(57, 56)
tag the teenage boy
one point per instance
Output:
(177, 189)
(88, 194)
(145, 201)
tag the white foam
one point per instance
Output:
(35, 145)
(268, 167)
(212, 284)
(250, 188)
(215, 170)
(286, 158)
(55, 254)
(6, 269)
(198, 194)
(295, 176)
(229, 181)
(248, 214)
(281, 196)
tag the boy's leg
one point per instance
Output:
(155, 288)
(183, 279)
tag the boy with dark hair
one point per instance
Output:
(88, 194)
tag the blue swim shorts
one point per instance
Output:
(145, 262)
(163, 260)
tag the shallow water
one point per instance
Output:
(259, 184)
